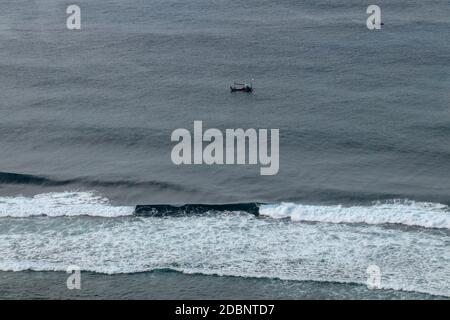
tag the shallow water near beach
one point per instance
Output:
(172, 285)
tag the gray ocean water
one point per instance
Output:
(86, 119)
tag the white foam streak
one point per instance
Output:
(61, 204)
(410, 213)
(231, 244)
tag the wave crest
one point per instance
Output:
(89, 203)
(405, 212)
(57, 204)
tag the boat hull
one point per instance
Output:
(245, 89)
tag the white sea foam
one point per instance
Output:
(230, 243)
(410, 213)
(61, 204)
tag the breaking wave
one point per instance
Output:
(57, 204)
(88, 203)
(189, 209)
(247, 239)
(405, 212)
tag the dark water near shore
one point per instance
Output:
(85, 124)
(172, 285)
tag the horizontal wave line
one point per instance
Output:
(89, 203)
(233, 275)
(16, 178)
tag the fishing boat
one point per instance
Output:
(241, 87)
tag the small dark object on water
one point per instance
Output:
(242, 87)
